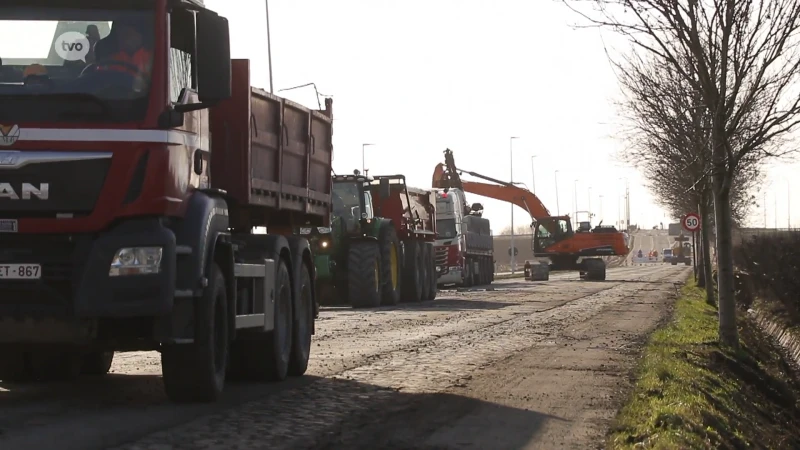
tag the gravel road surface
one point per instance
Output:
(518, 365)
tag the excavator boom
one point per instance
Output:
(447, 176)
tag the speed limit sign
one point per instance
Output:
(691, 222)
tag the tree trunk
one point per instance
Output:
(705, 239)
(728, 333)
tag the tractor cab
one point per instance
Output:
(352, 202)
(548, 231)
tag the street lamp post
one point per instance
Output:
(589, 197)
(269, 48)
(601, 208)
(575, 194)
(533, 175)
(363, 164)
(511, 169)
(558, 208)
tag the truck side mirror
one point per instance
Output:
(384, 190)
(213, 57)
(477, 207)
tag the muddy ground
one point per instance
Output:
(523, 365)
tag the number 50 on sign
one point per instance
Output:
(691, 222)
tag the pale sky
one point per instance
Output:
(416, 77)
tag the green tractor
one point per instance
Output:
(358, 257)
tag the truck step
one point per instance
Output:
(264, 295)
(183, 250)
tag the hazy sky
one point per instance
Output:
(416, 77)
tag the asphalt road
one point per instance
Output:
(518, 365)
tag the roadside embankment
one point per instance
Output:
(691, 393)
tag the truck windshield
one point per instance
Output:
(446, 228)
(62, 64)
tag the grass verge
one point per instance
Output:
(690, 393)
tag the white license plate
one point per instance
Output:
(20, 271)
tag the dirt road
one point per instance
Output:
(525, 365)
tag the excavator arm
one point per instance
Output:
(448, 176)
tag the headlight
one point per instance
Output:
(323, 230)
(324, 244)
(136, 261)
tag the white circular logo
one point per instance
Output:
(72, 46)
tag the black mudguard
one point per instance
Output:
(202, 227)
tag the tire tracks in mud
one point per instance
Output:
(304, 417)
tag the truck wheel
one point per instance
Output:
(196, 372)
(363, 275)
(422, 267)
(674, 263)
(265, 356)
(432, 290)
(301, 330)
(412, 279)
(97, 363)
(467, 272)
(390, 264)
(15, 367)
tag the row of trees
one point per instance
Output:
(711, 93)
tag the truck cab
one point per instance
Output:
(114, 235)
(450, 244)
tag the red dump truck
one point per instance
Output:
(412, 212)
(128, 200)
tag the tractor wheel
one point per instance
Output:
(412, 278)
(389, 264)
(363, 275)
(430, 272)
(432, 286)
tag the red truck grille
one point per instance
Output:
(441, 255)
(73, 187)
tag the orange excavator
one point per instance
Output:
(553, 236)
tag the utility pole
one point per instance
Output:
(269, 48)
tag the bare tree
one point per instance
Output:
(670, 144)
(741, 58)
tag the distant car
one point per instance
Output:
(667, 253)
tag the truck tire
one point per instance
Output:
(432, 285)
(196, 372)
(301, 329)
(389, 264)
(422, 267)
(467, 272)
(97, 363)
(265, 356)
(595, 269)
(55, 364)
(15, 367)
(363, 275)
(412, 280)
(674, 263)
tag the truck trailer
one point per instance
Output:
(129, 199)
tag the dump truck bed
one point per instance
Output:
(271, 152)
